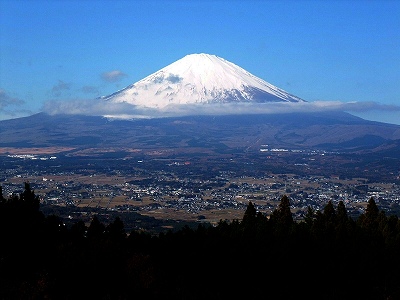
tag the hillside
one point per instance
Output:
(218, 134)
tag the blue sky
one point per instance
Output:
(342, 53)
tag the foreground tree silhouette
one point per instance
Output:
(102, 262)
(29, 197)
(23, 240)
(250, 213)
(254, 224)
(115, 230)
(369, 220)
(78, 230)
(96, 229)
(20, 217)
(342, 216)
(282, 218)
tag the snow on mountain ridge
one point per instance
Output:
(200, 78)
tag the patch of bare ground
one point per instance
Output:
(34, 151)
(209, 216)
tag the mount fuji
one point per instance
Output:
(200, 79)
(199, 104)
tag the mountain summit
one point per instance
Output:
(200, 78)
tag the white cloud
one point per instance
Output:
(113, 76)
(7, 100)
(101, 107)
(59, 88)
(88, 89)
(12, 107)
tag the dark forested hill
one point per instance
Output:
(328, 131)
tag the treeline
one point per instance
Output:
(328, 255)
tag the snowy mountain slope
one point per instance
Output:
(200, 78)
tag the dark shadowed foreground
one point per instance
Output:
(327, 255)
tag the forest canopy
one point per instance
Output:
(327, 255)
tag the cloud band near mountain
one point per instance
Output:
(99, 107)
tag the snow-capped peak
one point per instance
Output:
(200, 78)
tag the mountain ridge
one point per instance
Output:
(203, 134)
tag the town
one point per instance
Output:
(201, 188)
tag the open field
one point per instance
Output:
(34, 150)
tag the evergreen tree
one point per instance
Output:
(250, 213)
(281, 218)
(341, 212)
(329, 220)
(318, 227)
(96, 228)
(309, 217)
(78, 230)
(372, 210)
(329, 213)
(28, 195)
(343, 226)
(282, 215)
(116, 230)
(369, 220)
(2, 199)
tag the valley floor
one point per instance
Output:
(202, 188)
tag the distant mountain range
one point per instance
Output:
(202, 134)
(202, 80)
